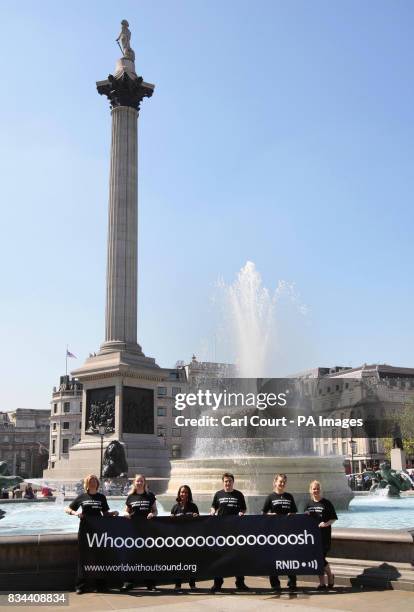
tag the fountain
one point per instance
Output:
(7, 481)
(391, 482)
(254, 456)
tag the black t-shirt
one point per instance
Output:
(322, 511)
(140, 504)
(188, 510)
(279, 503)
(229, 502)
(92, 504)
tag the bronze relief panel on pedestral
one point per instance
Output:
(138, 410)
(100, 410)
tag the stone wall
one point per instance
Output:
(49, 562)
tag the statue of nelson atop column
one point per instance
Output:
(124, 41)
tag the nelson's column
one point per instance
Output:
(119, 381)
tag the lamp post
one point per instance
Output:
(101, 431)
(352, 444)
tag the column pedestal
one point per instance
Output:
(398, 459)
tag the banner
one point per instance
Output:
(165, 548)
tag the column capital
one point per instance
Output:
(125, 91)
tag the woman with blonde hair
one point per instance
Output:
(91, 503)
(140, 503)
(280, 503)
(323, 512)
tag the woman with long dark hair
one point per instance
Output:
(184, 507)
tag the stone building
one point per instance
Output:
(65, 418)
(24, 441)
(195, 374)
(368, 391)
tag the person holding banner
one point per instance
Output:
(226, 502)
(184, 507)
(322, 510)
(91, 503)
(140, 503)
(280, 503)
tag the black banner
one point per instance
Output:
(165, 548)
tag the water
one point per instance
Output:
(377, 512)
(252, 313)
(364, 512)
(261, 329)
(46, 517)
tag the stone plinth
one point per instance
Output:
(398, 459)
(119, 391)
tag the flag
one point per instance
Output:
(69, 354)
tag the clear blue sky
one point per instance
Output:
(279, 132)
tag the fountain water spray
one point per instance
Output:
(255, 320)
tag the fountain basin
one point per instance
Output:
(254, 477)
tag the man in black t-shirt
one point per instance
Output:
(281, 503)
(226, 502)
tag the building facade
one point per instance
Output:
(65, 418)
(366, 392)
(24, 441)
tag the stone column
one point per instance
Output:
(121, 288)
(125, 92)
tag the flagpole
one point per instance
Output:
(66, 360)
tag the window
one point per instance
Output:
(65, 424)
(80, 425)
(176, 451)
(161, 431)
(176, 432)
(53, 464)
(53, 447)
(162, 391)
(161, 411)
(373, 446)
(54, 408)
(175, 390)
(66, 407)
(346, 385)
(65, 445)
(54, 426)
(344, 448)
(80, 406)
